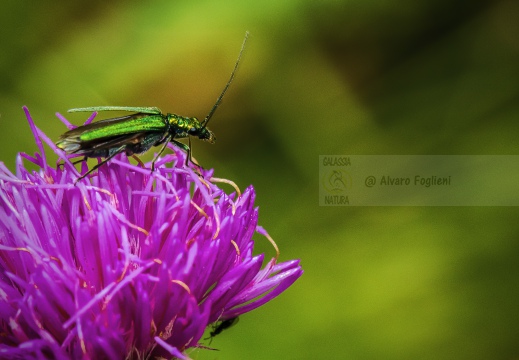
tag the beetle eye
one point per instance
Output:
(192, 131)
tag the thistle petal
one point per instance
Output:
(124, 264)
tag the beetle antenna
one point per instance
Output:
(219, 100)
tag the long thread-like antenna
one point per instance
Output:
(219, 100)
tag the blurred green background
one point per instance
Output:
(317, 78)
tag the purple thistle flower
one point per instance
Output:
(124, 264)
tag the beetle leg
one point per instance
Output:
(166, 142)
(116, 151)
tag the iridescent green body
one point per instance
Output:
(138, 132)
(132, 134)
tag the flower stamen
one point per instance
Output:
(182, 284)
(263, 232)
(228, 182)
(236, 247)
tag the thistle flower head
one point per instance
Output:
(125, 263)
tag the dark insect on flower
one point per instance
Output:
(223, 325)
(138, 132)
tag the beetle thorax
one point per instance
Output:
(183, 126)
